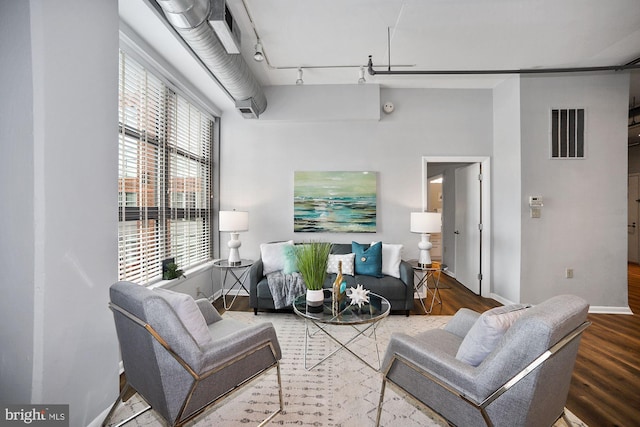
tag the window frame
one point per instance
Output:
(128, 214)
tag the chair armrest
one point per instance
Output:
(461, 322)
(434, 362)
(209, 312)
(240, 342)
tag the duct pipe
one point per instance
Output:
(389, 72)
(189, 18)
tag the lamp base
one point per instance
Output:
(424, 259)
(234, 253)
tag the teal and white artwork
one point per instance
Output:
(337, 202)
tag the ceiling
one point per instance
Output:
(331, 39)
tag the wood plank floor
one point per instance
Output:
(605, 388)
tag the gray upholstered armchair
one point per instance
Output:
(517, 374)
(181, 356)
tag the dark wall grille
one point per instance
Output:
(567, 133)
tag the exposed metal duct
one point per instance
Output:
(631, 65)
(190, 18)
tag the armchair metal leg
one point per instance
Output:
(280, 398)
(120, 398)
(382, 389)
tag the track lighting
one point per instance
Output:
(361, 78)
(299, 81)
(259, 55)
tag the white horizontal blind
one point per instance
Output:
(164, 183)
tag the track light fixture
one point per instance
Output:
(361, 79)
(299, 81)
(259, 55)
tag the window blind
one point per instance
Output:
(164, 177)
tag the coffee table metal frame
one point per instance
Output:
(363, 322)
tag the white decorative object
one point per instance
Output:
(425, 223)
(234, 222)
(358, 295)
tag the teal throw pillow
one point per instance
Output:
(368, 259)
(290, 261)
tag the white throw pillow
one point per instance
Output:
(391, 258)
(272, 255)
(189, 313)
(486, 332)
(347, 263)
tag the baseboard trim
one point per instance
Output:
(610, 310)
(500, 299)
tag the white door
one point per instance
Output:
(633, 196)
(468, 224)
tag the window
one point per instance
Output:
(164, 177)
(567, 133)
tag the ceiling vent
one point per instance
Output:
(225, 26)
(248, 108)
(193, 21)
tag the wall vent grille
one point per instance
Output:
(567, 133)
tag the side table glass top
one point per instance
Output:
(377, 308)
(224, 263)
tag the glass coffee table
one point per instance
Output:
(361, 320)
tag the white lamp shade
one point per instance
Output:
(234, 221)
(426, 222)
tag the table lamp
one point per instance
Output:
(234, 222)
(425, 223)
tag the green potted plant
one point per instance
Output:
(312, 263)
(172, 272)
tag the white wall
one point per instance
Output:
(258, 158)
(506, 239)
(583, 224)
(61, 180)
(16, 192)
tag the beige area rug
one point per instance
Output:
(342, 391)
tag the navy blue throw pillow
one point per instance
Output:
(368, 259)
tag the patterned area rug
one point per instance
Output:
(342, 391)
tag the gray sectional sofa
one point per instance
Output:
(399, 291)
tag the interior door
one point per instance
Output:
(633, 195)
(468, 226)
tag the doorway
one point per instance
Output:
(478, 280)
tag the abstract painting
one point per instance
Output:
(336, 202)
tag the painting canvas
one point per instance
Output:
(339, 202)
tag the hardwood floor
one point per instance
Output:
(605, 388)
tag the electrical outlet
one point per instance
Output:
(568, 273)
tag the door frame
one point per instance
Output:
(485, 255)
(629, 176)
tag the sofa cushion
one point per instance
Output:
(272, 255)
(391, 258)
(347, 263)
(188, 312)
(486, 332)
(290, 260)
(368, 259)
